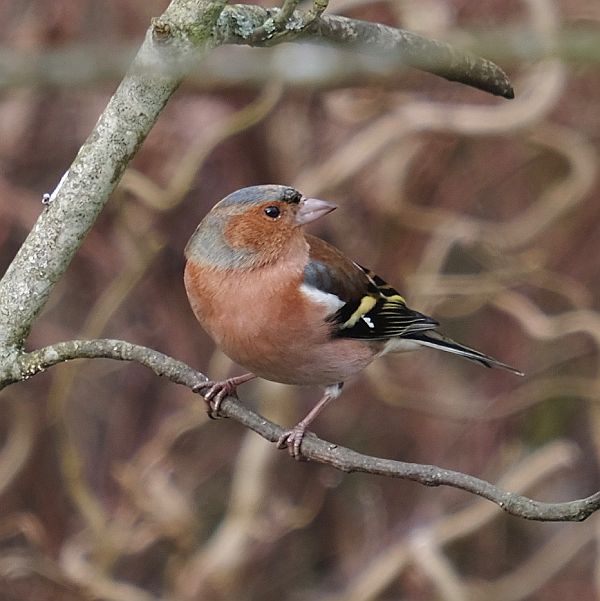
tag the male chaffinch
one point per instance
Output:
(290, 307)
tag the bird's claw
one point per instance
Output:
(292, 439)
(214, 393)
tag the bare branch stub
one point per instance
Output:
(275, 25)
(317, 9)
(286, 23)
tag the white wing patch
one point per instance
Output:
(368, 321)
(332, 301)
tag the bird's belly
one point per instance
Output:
(299, 360)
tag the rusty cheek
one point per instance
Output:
(251, 231)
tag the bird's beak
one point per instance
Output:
(312, 209)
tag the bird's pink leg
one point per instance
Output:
(292, 439)
(217, 391)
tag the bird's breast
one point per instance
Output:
(263, 321)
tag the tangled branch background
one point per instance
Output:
(114, 485)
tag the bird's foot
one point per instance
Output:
(214, 393)
(292, 439)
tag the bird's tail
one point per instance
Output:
(438, 341)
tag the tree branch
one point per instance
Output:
(417, 51)
(239, 24)
(168, 52)
(341, 458)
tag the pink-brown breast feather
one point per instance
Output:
(261, 319)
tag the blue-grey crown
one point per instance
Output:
(255, 194)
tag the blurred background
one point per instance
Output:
(484, 212)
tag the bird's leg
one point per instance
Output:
(215, 392)
(292, 439)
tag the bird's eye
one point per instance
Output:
(272, 212)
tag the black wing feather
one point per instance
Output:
(372, 309)
(386, 319)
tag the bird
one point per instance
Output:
(291, 308)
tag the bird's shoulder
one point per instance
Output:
(329, 270)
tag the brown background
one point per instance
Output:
(484, 212)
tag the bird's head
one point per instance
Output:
(254, 226)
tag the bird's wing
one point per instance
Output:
(368, 308)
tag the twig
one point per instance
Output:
(417, 51)
(346, 460)
(317, 9)
(239, 22)
(275, 25)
